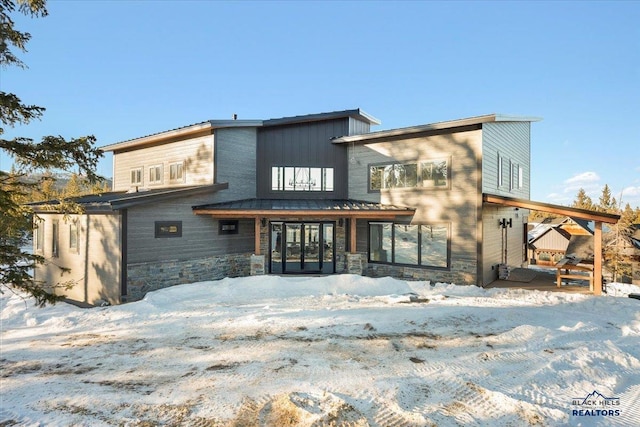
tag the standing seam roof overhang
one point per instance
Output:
(597, 217)
(261, 209)
(276, 208)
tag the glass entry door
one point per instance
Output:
(302, 247)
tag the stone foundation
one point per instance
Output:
(150, 276)
(258, 264)
(462, 272)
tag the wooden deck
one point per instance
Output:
(543, 280)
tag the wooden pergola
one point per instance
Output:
(597, 217)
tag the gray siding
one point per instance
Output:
(358, 127)
(458, 205)
(95, 265)
(235, 159)
(197, 153)
(303, 144)
(199, 232)
(512, 141)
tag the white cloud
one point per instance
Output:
(588, 181)
(584, 177)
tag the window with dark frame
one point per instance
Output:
(228, 226)
(425, 245)
(55, 246)
(422, 174)
(164, 229)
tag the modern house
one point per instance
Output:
(312, 194)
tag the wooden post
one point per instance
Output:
(597, 259)
(257, 236)
(352, 234)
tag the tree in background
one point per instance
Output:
(29, 156)
(583, 201)
(607, 203)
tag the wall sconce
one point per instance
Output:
(517, 211)
(504, 222)
(263, 221)
(341, 222)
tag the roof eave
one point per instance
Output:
(451, 124)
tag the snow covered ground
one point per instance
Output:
(335, 350)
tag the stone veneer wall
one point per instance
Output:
(150, 276)
(461, 272)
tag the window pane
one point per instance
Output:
(406, 244)
(434, 173)
(277, 182)
(380, 242)
(434, 245)
(54, 240)
(328, 179)
(290, 179)
(375, 177)
(389, 177)
(315, 179)
(410, 175)
(302, 180)
(73, 236)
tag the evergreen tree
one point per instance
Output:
(29, 156)
(583, 201)
(607, 203)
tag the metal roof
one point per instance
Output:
(435, 126)
(120, 199)
(218, 124)
(355, 113)
(266, 207)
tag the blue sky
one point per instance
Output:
(123, 69)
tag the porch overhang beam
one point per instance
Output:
(235, 213)
(551, 208)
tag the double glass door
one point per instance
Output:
(302, 247)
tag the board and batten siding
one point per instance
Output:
(457, 205)
(235, 160)
(196, 153)
(510, 141)
(95, 265)
(302, 144)
(199, 232)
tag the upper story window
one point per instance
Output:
(298, 178)
(155, 174)
(427, 174)
(136, 176)
(176, 172)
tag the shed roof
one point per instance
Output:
(301, 207)
(450, 124)
(121, 199)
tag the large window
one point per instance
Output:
(418, 245)
(428, 174)
(298, 178)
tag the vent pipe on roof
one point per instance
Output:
(235, 116)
